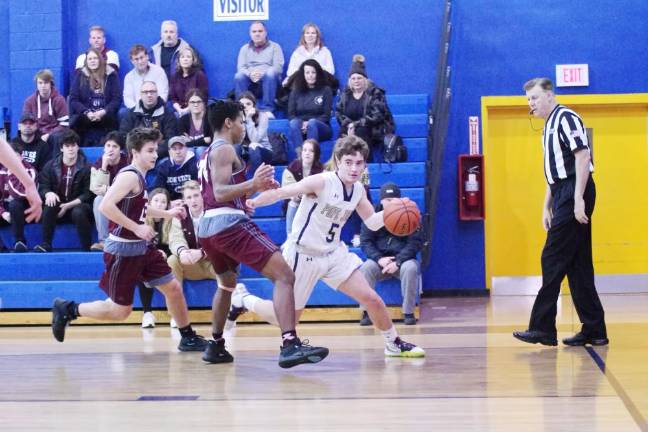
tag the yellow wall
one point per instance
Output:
(515, 183)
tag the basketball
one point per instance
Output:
(402, 217)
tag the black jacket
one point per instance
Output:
(381, 243)
(49, 179)
(159, 117)
(377, 115)
(196, 141)
(37, 153)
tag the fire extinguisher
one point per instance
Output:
(471, 187)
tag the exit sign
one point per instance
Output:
(572, 75)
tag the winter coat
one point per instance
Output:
(49, 179)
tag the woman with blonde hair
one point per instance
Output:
(311, 46)
(188, 75)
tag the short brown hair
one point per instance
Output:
(350, 145)
(544, 83)
(140, 136)
(136, 49)
(45, 75)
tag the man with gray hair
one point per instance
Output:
(259, 67)
(165, 52)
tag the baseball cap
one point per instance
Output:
(180, 139)
(27, 116)
(390, 190)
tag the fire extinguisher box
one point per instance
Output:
(471, 187)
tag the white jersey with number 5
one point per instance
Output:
(319, 219)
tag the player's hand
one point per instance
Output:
(263, 176)
(144, 232)
(51, 199)
(251, 204)
(546, 218)
(177, 212)
(384, 261)
(33, 213)
(579, 210)
(272, 184)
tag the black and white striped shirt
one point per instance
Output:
(564, 133)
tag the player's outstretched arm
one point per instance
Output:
(311, 185)
(173, 212)
(12, 162)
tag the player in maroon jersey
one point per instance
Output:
(229, 237)
(13, 163)
(128, 254)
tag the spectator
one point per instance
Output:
(13, 202)
(34, 150)
(97, 41)
(392, 256)
(362, 109)
(259, 66)
(195, 125)
(179, 167)
(187, 76)
(64, 185)
(309, 107)
(49, 108)
(95, 97)
(165, 52)
(102, 174)
(152, 112)
(187, 259)
(158, 199)
(308, 163)
(143, 70)
(311, 46)
(256, 132)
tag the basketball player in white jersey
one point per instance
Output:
(314, 249)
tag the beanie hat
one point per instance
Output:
(358, 66)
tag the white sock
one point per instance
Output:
(390, 334)
(249, 301)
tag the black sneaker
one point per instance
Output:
(299, 352)
(216, 352)
(43, 247)
(365, 320)
(409, 319)
(192, 343)
(20, 246)
(62, 314)
(579, 339)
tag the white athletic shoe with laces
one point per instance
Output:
(400, 348)
(148, 320)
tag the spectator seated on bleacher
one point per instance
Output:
(95, 98)
(311, 46)
(34, 150)
(158, 199)
(309, 107)
(64, 185)
(174, 171)
(362, 108)
(13, 203)
(152, 112)
(256, 142)
(187, 259)
(97, 40)
(194, 125)
(143, 70)
(49, 108)
(259, 67)
(188, 75)
(390, 256)
(165, 52)
(307, 163)
(102, 174)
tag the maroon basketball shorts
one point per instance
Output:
(124, 272)
(243, 243)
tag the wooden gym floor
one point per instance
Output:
(476, 377)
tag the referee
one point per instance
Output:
(568, 207)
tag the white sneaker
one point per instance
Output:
(172, 323)
(148, 320)
(237, 295)
(400, 348)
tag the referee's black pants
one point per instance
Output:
(568, 252)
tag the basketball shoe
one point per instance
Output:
(63, 311)
(192, 343)
(298, 352)
(400, 348)
(216, 352)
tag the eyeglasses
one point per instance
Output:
(195, 102)
(149, 92)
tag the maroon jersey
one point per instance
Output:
(207, 187)
(133, 206)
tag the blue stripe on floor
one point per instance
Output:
(167, 398)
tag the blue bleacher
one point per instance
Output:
(32, 280)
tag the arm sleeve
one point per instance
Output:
(45, 179)
(203, 83)
(574, 131)
(77, 106)
(375, 111)
(86, 195)
(340, 115)
(163, 85)
(292, 105)
(129, 92)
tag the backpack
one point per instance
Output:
(279, 143)
(393, 149)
